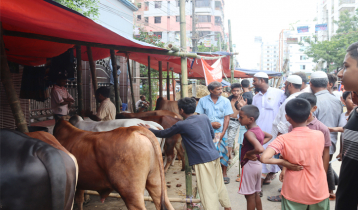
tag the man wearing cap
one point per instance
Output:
(305, 88)
(268, 100)
(329, 110)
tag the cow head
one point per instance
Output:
(75, 119)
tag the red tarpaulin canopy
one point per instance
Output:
(52, 19)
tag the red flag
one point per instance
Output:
(212, 73)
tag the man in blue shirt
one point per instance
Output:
(197, 134)
(218, 109)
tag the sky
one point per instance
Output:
(265, 18)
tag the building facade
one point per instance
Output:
(269, 56)
(162, 18)
(328, 11)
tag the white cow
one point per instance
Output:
(94, 126)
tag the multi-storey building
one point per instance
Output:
(162, 19)
(269, 56)
(328, 11)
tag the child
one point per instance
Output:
(198, 134)
(302, 151)
(254, 138)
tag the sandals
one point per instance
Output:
(226, 180)
(261, 192)
(268, 180)
(276, 198)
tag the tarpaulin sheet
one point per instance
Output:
(46, 17)
(251, 72)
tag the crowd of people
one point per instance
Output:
(294, 131)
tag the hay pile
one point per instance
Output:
(201, 91)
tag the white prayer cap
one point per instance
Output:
(294, 79)
(261, 75)
(319, 75)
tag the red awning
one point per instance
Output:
(45, 17)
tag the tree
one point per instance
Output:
(333, 51)
(88, 8)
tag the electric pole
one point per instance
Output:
(193, 33)
(184, 71)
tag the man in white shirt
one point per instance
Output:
(268, 100)
(141, 104)
(337, 93)
(305, 88)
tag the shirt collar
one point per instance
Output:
(313, 121)
(268, 90)
(322, 92)
(301, 128)
(219, 99)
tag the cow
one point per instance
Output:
(163, 104)
(170, 143)
(95, 126)
(147, 114)
(127, 160)
(34, 174)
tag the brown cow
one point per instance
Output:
(163, 104)
(170, 143)
(71, 172)
(147, 114)
(127, 160)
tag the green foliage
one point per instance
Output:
(333, 51)
(151, 39)
(88, 8)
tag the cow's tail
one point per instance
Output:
(159, 100)
(158, 154)
(56, 170)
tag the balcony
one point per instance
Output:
(346, 5)
(347, 2)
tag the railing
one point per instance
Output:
(346, 2)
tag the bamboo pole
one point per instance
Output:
(149, 86)
(160, 51)
(160, 79)
(168, 82)
(131, 84)
(232, 56)
(93, 69)
(173, 84)
(79, 79)
(148, 198)
(115, 78)
(11, 94)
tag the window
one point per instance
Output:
(268, 51)
(217, 5)
(204, 33)
(146, 6)
(158, 34)
(146, 21)
(268, 60)
(158, 4)
(139, 5)
(202, 3)
(303, 57)
(157, 19)
(178, 3)
(177, 18)
(217, 20)
(204, 18)
(139, 17)
(302, 67)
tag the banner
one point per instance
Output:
(302, 29)
(292, 40)
(207, 42)
(321, 27)
(212, 73)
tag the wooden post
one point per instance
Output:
(93, 69)
(79, 79)
(173, 84)
(160, 79)
(11, 94)
(115, 78)
(149, 86)
(131, 84)
(181, 86)
(168, 82)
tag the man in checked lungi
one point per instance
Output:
(218, 109)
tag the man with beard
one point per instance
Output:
(348, 182)
(268, 100)
(280, 125)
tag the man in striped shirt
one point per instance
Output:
(347, 192)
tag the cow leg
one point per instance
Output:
(133, 198)
(79, 198)
(180, 152)
(175, 156)
(154, 188)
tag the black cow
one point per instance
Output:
(33, 174)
